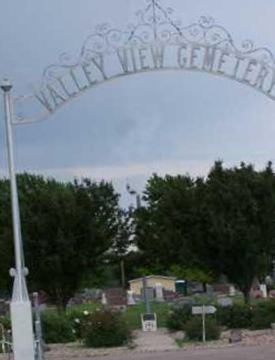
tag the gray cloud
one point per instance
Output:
(159, 122)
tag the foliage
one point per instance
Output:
(6, 247)
(57, 328)
(191, 274)
(164, 227)
(193, 329)
(122, 242)
(178, 317)
(240, 223)
(221, 225)
(67, 229)
(105, 329)
(238, 316)
(5, 321)
(263, 315)
(5, 334)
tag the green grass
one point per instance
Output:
(84, 307)
(133, 314)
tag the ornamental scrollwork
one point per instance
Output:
(156, 24)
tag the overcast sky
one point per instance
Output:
(158, 122)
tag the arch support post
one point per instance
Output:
(20, 306)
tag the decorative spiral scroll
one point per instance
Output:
(155, 24)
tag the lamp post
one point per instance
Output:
(144, 279)
(20, 306)
(134, 192)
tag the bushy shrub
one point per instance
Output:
(57, 328)
(5, 334)
(178, 317)
(5, 322)
(235, 317)
(193, 329)
(263, 315)
(105, 329)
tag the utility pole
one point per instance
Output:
(20, 306)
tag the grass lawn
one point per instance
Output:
(132, 314)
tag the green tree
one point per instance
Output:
(6, 248)
(67, 228)
(224, 224)
(239, 222)
(165, 226)
(123, 241)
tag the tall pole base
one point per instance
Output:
(22, 332)
(21, 319)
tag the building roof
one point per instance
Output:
(172, 278)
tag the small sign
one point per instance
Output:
(199, 310)
(203, 310)
(149, 322)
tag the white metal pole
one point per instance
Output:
(21, 312)
(203, 325)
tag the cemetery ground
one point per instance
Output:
(241, 353)
(256, 345)
(145, 345)
(259, 344)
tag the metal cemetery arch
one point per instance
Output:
(155, 42)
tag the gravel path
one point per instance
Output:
(258, 345)
(239, 353)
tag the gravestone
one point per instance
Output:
(130, 298)
(116, 298)
(104, 300)
(209, 291)
(232, 290)
(263, 289)
(225, 302)
(159, 292)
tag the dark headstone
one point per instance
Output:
(116, 298)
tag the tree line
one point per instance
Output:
(75, 234)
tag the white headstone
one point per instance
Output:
(104, 301)
(232, 290)
(130, 298)
(263, 289)
(159, 292)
